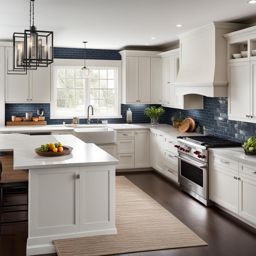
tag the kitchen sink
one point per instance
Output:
(96, 134)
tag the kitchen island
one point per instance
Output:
(69, 196)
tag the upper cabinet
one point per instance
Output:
(141, 77)
(170, 98)
(2, 77)
(242, 75)
(35, 87)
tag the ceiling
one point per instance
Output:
(114, 24)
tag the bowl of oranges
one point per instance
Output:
(53, 149)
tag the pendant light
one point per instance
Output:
(33, 48)
(85, 69)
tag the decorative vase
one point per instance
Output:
(154, 121)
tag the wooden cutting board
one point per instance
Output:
(185, 125)
(22, 123)
(192, 124)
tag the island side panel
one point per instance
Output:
(69, 202)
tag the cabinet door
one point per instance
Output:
(2, 78)
(224, 188)
(126, 161)
(16, 86)
(144, 79)
(142, 149)
(239, 91)
(253, 83)
(153, 149)
(165, 81)
(40, 91)
(156, 81)
(97, 198)
(53, 201)
(132, 79)
(247, 192)
(160, 166)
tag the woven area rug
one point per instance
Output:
(142, 225)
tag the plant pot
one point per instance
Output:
(154, 121)
(250, 153)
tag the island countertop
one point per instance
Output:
(25, 157)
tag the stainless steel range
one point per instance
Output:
(194, 162)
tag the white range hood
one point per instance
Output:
(203, 65)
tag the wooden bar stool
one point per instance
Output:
(12, 182)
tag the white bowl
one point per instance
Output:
(237, 55)
(244, 54)
(253, 52)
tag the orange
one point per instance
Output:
(55, 150)
(51, 146)
(60, 149)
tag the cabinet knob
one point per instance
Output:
(77, 176)
(235, 178)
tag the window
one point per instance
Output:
(72, 93)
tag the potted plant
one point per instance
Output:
(250, 146)
(154, 113)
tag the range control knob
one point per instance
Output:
(203, 156)
(177, 146)
(197, 152)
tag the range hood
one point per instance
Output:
(203, 63)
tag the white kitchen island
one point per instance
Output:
(69, 196)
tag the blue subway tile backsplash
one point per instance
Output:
(93, 54)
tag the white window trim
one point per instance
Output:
(93, 64)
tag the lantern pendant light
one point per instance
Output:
(85, 69)
(33, 48)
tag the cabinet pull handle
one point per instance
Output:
(77, 176)
(238, 178)
(235, 178)
(124, 134)
(171, 155)
(254, 172)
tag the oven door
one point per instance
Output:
(193, 177)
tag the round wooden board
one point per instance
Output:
(66, 151)
(192, 124)
(185, 125)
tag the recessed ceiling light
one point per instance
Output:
(153, 38)
(180, 25)
(251, 2)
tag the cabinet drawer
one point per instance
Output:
(248, 171)
(125, 161)
(223, 162)
(124, 135)
(125, 146)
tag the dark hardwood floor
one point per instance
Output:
(224, 236)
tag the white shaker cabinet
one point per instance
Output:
(156, 81)
(35, 87)
(233, 186)
(223, 183)
(239, 91)
(142, 145)
(153, 149)
(247, 188)
(40, 89)
(140, 77)
(17, 87)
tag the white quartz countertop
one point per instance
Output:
(236, 154)
(23, 146)
(164, 128)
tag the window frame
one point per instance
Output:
(91, 64)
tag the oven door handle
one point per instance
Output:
(191, 161)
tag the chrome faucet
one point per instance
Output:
(88, 114)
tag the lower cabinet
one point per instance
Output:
(141, 146)
(133, 149)
(164, 155)
(233, 187)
